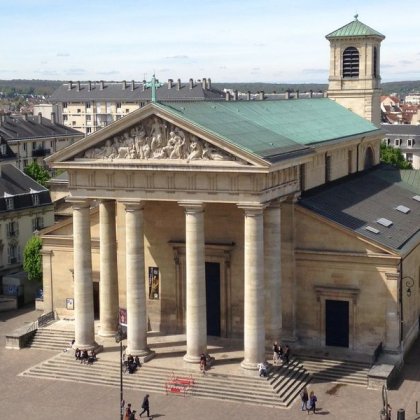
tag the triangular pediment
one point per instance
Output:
(149, 136)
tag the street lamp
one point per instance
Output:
(119, 337)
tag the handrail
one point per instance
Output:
(44, 319)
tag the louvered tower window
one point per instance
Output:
(351, 62)
(375, 64)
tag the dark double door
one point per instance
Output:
(213, 298)
(337, 323)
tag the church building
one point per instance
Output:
(257, 220)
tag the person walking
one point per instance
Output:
(311, 404)
(304, 398)
(145, 406)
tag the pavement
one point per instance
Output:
(45, 399)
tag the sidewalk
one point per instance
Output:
(40, 399)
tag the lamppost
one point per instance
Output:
(119, 337)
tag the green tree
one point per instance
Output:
(394, 157)
(38, 173)
(32, 261)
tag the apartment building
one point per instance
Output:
(89, 106)
(25, 139)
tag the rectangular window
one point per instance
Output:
(302, 176)
(65, 117)
(350, 161)
(79, 111)
(35, 199)
(410, 142)
(88, 104)
(88, 130)
(12, 229)
(397, 142)
(118, 105)
(37, 223)
(327, 168)
(64, 104)
(10, 203)
(409, 157)
(127, 110)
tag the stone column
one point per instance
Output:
(254, 330)
(135, 290)
(47, 280)
(108, 286)
(288, 268)
(272, 271)
(83, 286)
(196, 282)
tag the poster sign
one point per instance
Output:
(153, 283)
(122, 316)
(70, 304)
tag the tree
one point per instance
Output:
(38, 173)
(32, 261)
(394, 157)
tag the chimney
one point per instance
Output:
(101, 85)
(124, 85)
(248, 95)
(170, 83)
(133, 86)
(178, 84)
(53, 118)
(39, 117)
(191, 83)
(78, 86)
(261, 95)
(235, 95)
(204, 83)
(70, 85)
(89, 86)
(287, 95)
(209, 83)
(297, 95)
(227, 96)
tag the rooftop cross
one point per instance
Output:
(154, 83)
(356, 16)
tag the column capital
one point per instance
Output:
(192, 206)
(252, 209)
(79, 202)
(132, 205)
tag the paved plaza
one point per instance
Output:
(35, 398)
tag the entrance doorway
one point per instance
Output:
(96, 300)
(337, 323)
(213, 298)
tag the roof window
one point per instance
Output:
(403, 209)
(372, 229)
(384, 222)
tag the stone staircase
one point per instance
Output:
(50, 339)
(338, 371)
(279, 389)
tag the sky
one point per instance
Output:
(275, 41)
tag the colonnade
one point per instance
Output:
(262, 278)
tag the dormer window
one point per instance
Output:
(351, 62)
(410, 142)
(10, 203)
(35, 199)
(397, 142)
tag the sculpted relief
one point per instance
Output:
(154, 138)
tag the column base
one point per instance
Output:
(249, 365)
(191, 359)
(144, 355)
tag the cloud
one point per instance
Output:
(387, 66)
(223, 68)
(177, 57)
(259, 44)
(63, 54)
(47, 72)
(76, 71)
(317, 71)
(108, 73)
(406, 62)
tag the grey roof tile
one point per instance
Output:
(359, 201)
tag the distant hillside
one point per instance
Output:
(46, 87)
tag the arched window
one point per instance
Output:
(351, 62)
(369, 161)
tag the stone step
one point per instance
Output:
(348, 372)
(51, 339)
(243, 389)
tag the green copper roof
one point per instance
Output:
(272, 128)
(354, 28)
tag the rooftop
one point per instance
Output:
(354, 29)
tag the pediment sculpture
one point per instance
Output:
(155, 138)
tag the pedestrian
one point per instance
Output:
(128, 412)
(311, 404)
(304, 397)
(262, 369)
(145, 405)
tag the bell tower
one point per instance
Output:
(354, 78)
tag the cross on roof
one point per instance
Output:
(154, 83)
